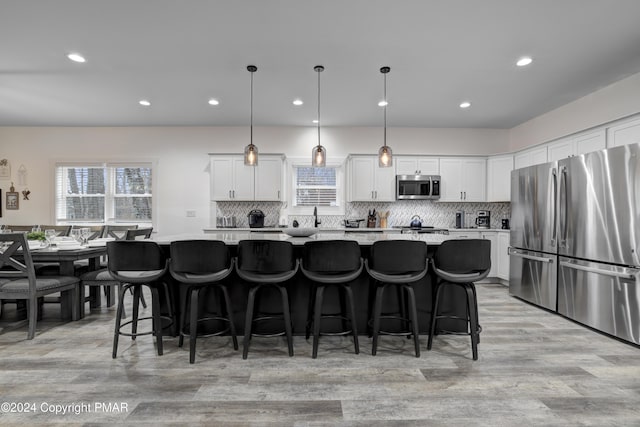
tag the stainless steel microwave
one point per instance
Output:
(410, 187)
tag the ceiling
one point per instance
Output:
(180, 53)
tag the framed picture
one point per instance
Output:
(5, 169)
(0, 202)
(13, 200)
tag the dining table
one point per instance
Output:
(66, 258)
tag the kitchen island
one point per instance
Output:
(299, 286)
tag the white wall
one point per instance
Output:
(182, 179)
(613, 102)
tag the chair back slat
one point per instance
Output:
(15, 259)
(95, 231)
(61, 230)
(118, 232)
(134, 234)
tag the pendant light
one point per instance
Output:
(319, 153)
(251, 151)
(385, 155)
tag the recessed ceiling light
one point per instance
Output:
(524, 61)
(144, 103)
(314, 121)
(297, 102)
(465, 104)
(214, 102)
(382, 103)
(76, 57)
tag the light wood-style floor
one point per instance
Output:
(535, 368)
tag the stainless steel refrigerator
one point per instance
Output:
(575, 237)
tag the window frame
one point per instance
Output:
(296, 162)
(110, 194)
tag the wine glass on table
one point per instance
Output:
(84, 235)
(50, 235)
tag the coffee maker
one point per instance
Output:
(484, 219)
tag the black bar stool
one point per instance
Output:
(137, 263)
(202, 264)
(266, 263)
(460, 263)
(331, 263)
(398, 263)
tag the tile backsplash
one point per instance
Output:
(437, 214)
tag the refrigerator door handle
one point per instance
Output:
(617, 274)
(554, 231)
(563, 193)
(531, 257)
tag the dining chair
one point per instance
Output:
(18, 281)
(20, 228)
(61, 230)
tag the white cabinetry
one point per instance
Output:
(493, 237)
(624, 133)
(499, 178)
(503, 255)
(463, 179)
(464, 234)
(417, 165)
(231, 180)
(268, 178)
(369, 182)
(530, 157)
(576, 145)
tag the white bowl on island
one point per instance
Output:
(299, 231)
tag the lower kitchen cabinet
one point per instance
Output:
(503, 255)
(493, 237)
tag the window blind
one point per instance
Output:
(315, 186)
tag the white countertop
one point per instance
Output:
(364, 239)
(336, 229)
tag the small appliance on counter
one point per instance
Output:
(505, 223)
(460, 219)
(226, 222)
(352, 223)
(484, 219)
(256, 218)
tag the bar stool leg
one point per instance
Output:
(136, 308)
(352, 320)
(473, 322)
(287, 318)
(116, 332)
(413, 318)
(193, 324)
(155, 314)
(434, 316)
(317, 315)
(249, 320)
(227, 304)
(376, 318)
(310, 305)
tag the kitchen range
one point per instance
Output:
(575, 239)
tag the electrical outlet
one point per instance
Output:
(191, 214)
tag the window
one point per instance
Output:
(316, 187)
(104, 193)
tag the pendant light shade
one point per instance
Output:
(385, 154)
(251, 151)
(319, 153)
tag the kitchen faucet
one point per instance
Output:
(316, 222)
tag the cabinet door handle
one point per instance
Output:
(278, 194)
(376, 194)
(461, 196)
(230, 196)
(465, 195)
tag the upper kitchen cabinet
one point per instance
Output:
(370, 183)
(624, 133)
(411, 165)
(268, 178)
(576, 145)
(463, 179)
(499, 178)
(530, 157)
(231, 180)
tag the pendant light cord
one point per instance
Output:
(251, 115)
(318, 69)
(385, 109)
